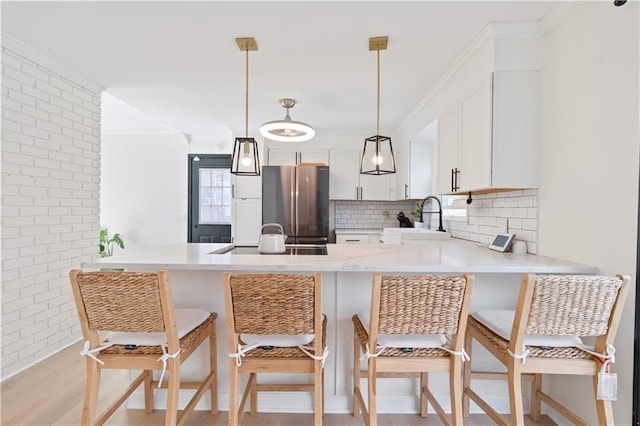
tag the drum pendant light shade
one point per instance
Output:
(287, 130)
(245, 160)
(377, 154)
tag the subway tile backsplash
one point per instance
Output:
(511, 211)
(515, 212)
(370, 214)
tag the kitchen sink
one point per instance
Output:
(398, 235)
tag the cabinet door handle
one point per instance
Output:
(361, 192)
(406, 187)
(352, 241)
(233, 190)
(452, 184)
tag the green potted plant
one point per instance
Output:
(106, 243)
(416, 213)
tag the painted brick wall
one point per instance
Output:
(50, 206)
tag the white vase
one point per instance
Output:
(418, 224)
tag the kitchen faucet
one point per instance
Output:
(433, 197)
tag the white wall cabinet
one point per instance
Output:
(296, 155)
(247, 221)
(490, 140)
(448, 141)
(246, 186)
(413, 178)
(346, 182)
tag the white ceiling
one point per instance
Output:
(178, 61)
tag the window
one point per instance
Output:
(215, 196)
(454, 207)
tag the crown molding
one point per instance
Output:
(45, 61)
(480, 38)
(559, 13)
(515, 29)
(520, 29)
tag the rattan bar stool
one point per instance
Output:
(542, 336)
(416, 326)
(275, 325)
(147, 334)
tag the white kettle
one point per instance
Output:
(272, 243)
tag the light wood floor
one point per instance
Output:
(51, 393)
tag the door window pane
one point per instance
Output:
(215, 196)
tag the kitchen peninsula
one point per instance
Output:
(196, 278)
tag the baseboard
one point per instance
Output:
(299, 402)
(26, 367)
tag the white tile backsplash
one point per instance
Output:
(509, 211)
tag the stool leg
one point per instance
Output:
(253, 411)
(603, 408)
(373, 409)
(149, 405)
(356, 373)
(233, 393)
(424, 385)
(91, 393)
(536, 385)
(173, 390)
(455, 384)
(213, 366)
(466, 373)
(318, 392)
(514, 367)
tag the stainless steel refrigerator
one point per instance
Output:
(297, 197)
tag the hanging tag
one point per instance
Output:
(607, 384)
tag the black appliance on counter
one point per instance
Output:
(405, 222)
(297, 197)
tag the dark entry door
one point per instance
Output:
(209, 198)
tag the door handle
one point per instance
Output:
(233, 190)
(406, 187)
(361, 192)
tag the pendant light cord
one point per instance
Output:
(246, 98)
(378, 106)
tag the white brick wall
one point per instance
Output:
(50, 206)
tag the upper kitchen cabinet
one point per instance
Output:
(246, 186)
(413, 162)
(490, 139)
(348, 184)
(294, 156)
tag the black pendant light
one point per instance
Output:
(245, 160)
(377, 155)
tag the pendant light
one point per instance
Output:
(287, 130)
(377, 155)
(245, 160)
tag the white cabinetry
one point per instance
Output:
(352, 239)
(448, 141)
(246, 187)
(247, 221)
(490, 139)
(294, 156)
(348, 184)
(413, 179)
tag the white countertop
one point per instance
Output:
(441, 256)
